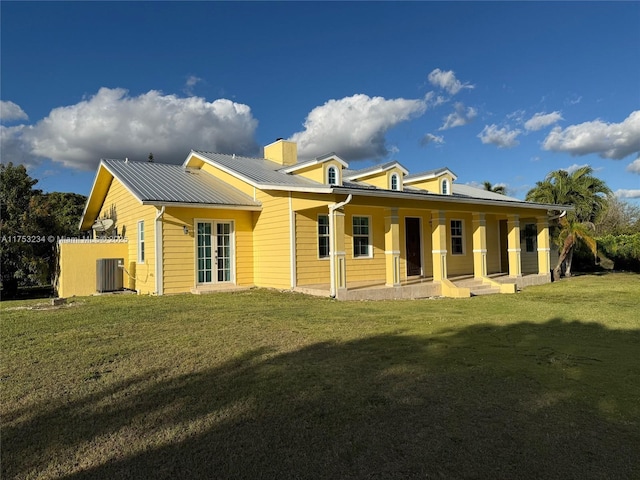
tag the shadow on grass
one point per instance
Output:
(554, 401)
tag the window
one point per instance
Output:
(530, 233)
(323, 236)
(361, 238)
(332, 175)
(457, 243)
(141, 241)
(395, 183)
(445, 187)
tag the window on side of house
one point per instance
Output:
(332, 175)
(361, 237)
(395, 182)
(323, 236)
(457, 237)
(530, 234)
(141, 241)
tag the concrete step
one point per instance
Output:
(484, 291)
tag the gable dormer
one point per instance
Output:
(438, 181)
(326, 169)
(389, 176)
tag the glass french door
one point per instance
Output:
(214, 252)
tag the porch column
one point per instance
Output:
(479, 245)
(439, 245)
(513, 242)
(337, 253)
(544, 246)
(392, 247)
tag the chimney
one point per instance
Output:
(282, 152)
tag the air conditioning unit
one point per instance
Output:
(109, 274)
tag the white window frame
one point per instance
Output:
(141, 241)
(445, 187)
(396, 177)
(460, 236)
(324, 235)
(337, 175)
(369, 237)
(530, 233)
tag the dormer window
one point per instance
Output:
(332, 175)
(445, 187)
(395, 182)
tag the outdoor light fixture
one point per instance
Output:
(185, 230)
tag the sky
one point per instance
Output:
(504, 92)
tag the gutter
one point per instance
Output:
(159, 252)
(332, 245)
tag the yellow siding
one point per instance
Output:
(383, 179)
(78, 265)
(529, 260)
(310, 269)
(460, 264)
(180, 250)
(126, 211)
(365, 269)
(271, 241)
(318, 172)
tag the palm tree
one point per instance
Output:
(587, 194)
(501, 189)
(571, 232)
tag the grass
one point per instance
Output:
(264, 384)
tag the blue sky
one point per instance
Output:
(502, 92)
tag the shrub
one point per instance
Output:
(623, 250)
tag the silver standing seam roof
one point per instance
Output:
(265, 173)
(162, 183)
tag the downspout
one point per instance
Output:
(292, 244)
(332, 245)
(159, 253)
(555, 217)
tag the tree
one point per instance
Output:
(30, 223)
(618, 218)
(501, 189)
(587, 194)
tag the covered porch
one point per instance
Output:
(421, 252)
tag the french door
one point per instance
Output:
(214, 252)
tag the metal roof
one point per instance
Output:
(475, 192)
(161, 183)
(257, 171)
(428, 173)
(375, 168)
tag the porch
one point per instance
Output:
(426, 287)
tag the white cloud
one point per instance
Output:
(541, 120)
(113, 124)
(447, 81)
(10, 112)
(574, 168)
(634, 167)
(430, 138)
(459, 117)
(608, 140)
(433, 100)
(354, 127)
(622, 193)
(501, 137)
(191, 82)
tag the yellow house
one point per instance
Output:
(224, 221)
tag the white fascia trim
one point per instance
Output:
(369, 173)
(315, 161)
(221, 206)
(231, 172)
(113, 175)
(429, 176)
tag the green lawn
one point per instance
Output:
(544, 384)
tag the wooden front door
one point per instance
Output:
(414, 242)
